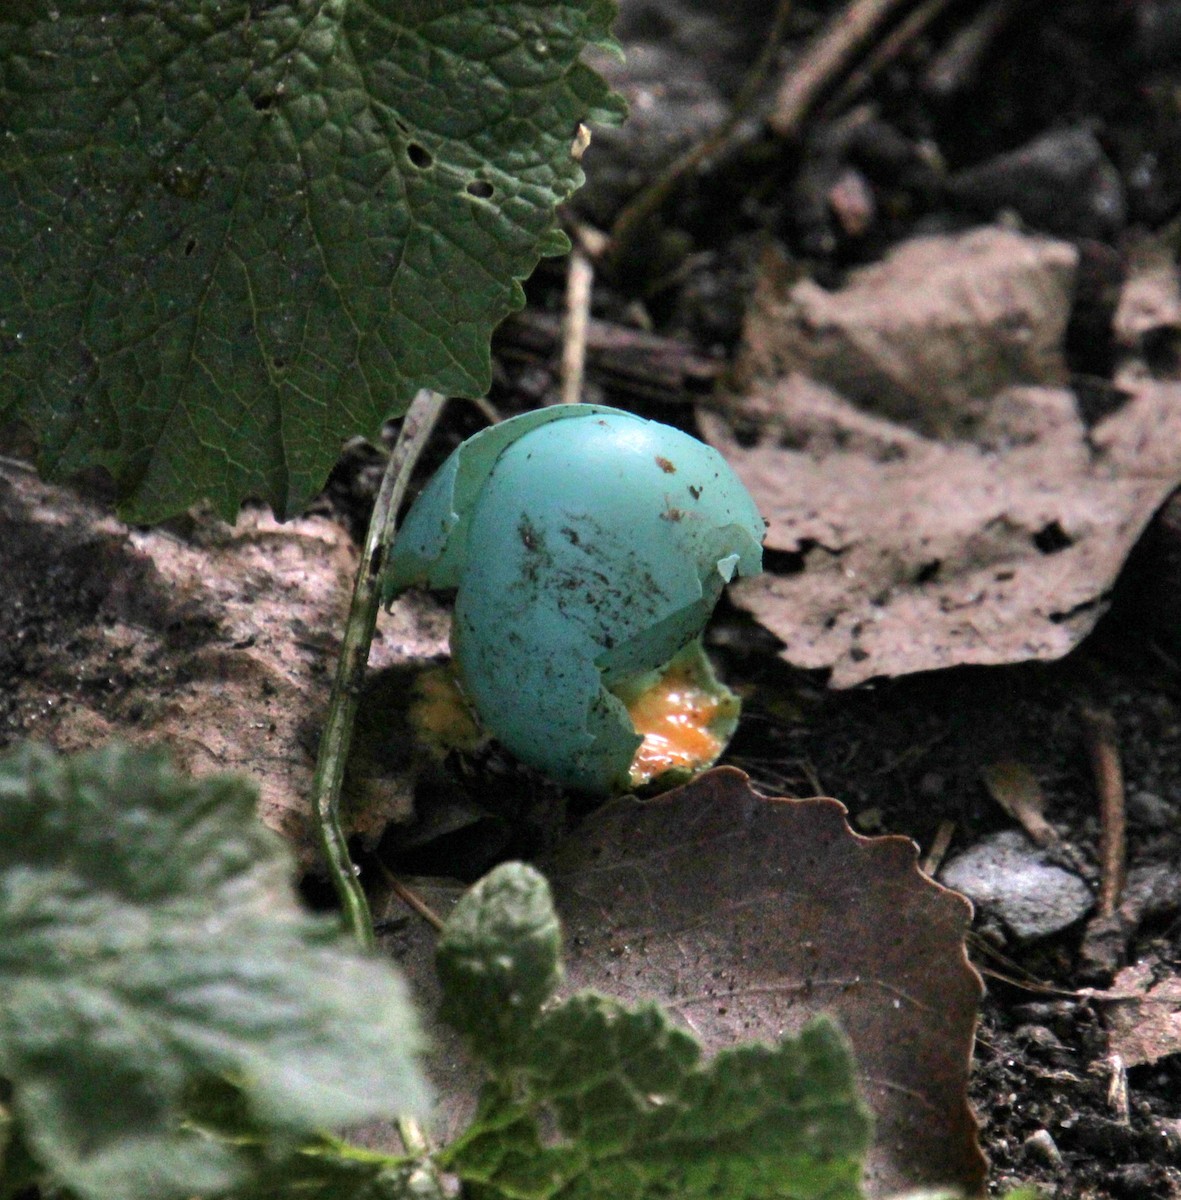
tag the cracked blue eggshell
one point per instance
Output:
(588, 546)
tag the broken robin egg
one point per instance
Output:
(587, 547)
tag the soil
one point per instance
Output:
(906, 755)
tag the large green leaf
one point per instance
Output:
(152, 956)
(234, 233)
(589, 1099)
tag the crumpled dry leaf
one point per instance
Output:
(941, 509)
(903, 553)
(1150, 299)
(925, 337)
(1147, 1028)
(220, 643)
(745, 917)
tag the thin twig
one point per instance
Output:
(487, 410)
(580, 282)
(825, 59)
(1117, 1089)
(658, 368)
(640, 210)
(938, 851)
(884, 53)
(1100, 732)
(354, 655)
(18, 464)
(412, 899)
(954, 67)
(413, 1137)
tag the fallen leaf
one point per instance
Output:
(747, 916)
(1150, 299)
(926, 337)
(218, 641)
(900, 552)
(1147, 1028)
(589, 1097)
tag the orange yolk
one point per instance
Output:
(440, 714)
(673, 717)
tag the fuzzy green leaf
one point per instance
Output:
(498, 960)
(593, 1099)
(233, 234)
(152, 954)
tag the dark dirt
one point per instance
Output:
(906, 755)
(1091, 87)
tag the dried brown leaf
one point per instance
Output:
(1148, 1027)
(905, 553)
(925, 337)
(745, 917)
(940, 510)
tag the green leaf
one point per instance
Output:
(593, 1099)
(499, 960)
(152, 955)
(233, 234)
(329, 1172)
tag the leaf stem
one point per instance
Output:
(413, 1137)
(412, 899)
(337, 737)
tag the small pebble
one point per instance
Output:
(1151, 811)
(1041, 1146)
(1009, 877)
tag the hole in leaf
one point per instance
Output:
(480, 189)
(419, 156)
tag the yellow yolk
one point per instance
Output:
(441, 715)
(674, 718)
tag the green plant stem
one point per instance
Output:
(337, 737)
(413, 1137)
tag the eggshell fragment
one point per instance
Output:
(588, 546)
